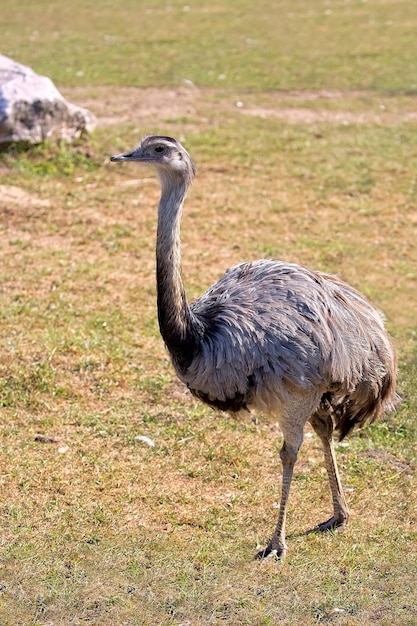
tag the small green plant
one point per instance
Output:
(48, 160)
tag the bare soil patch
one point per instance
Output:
(9, 194)
(145, 105)
(302, 115)
(130, 104)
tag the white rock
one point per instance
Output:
(32, 109)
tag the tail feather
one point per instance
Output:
(362, 408)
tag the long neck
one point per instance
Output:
(176, 322)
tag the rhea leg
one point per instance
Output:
(292, 419)
(323, 426)
(277, 546)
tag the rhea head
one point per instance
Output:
(168, 156)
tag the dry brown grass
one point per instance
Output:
(97, 526)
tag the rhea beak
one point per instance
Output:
(127, 156)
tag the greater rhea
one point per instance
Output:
(270, 336)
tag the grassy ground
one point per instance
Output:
(285, 44)
(98, 527)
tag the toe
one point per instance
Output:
(271, 553)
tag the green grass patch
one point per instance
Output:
(282, 45)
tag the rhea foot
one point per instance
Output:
(331, 524)
(272, 553)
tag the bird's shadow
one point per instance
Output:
(316, 530)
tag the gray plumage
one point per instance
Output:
(271, 336)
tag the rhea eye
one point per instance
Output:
(159, 148)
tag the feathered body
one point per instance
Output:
(276, 329)
(269, 335)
